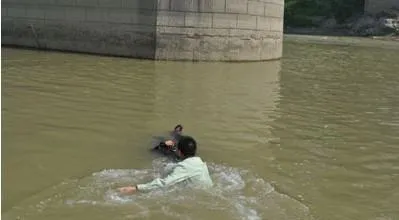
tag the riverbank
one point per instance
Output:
(375, 30)
(385, 42)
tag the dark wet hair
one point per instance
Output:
(179, 128)
(188, 146)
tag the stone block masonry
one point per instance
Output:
(110, 27)
(195, 30)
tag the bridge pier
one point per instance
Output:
(194, 30)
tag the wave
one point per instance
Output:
(237, 194)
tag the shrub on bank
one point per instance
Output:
(341, 16)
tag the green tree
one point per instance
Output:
(301, 12)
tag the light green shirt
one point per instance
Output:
(191, 170)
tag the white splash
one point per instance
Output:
(237, 194)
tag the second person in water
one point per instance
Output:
(190, 170)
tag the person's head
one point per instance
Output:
(178, 129)
(187, 147)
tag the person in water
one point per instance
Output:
(176, 135)
(168, 147)
(191, 170)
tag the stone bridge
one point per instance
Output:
(194, 30)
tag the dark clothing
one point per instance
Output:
(166, 150)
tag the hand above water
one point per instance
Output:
(128, 189)
(169, 143)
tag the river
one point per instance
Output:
(312, 136)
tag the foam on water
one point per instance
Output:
(237, 194)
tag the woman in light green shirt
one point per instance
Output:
(191, 170)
